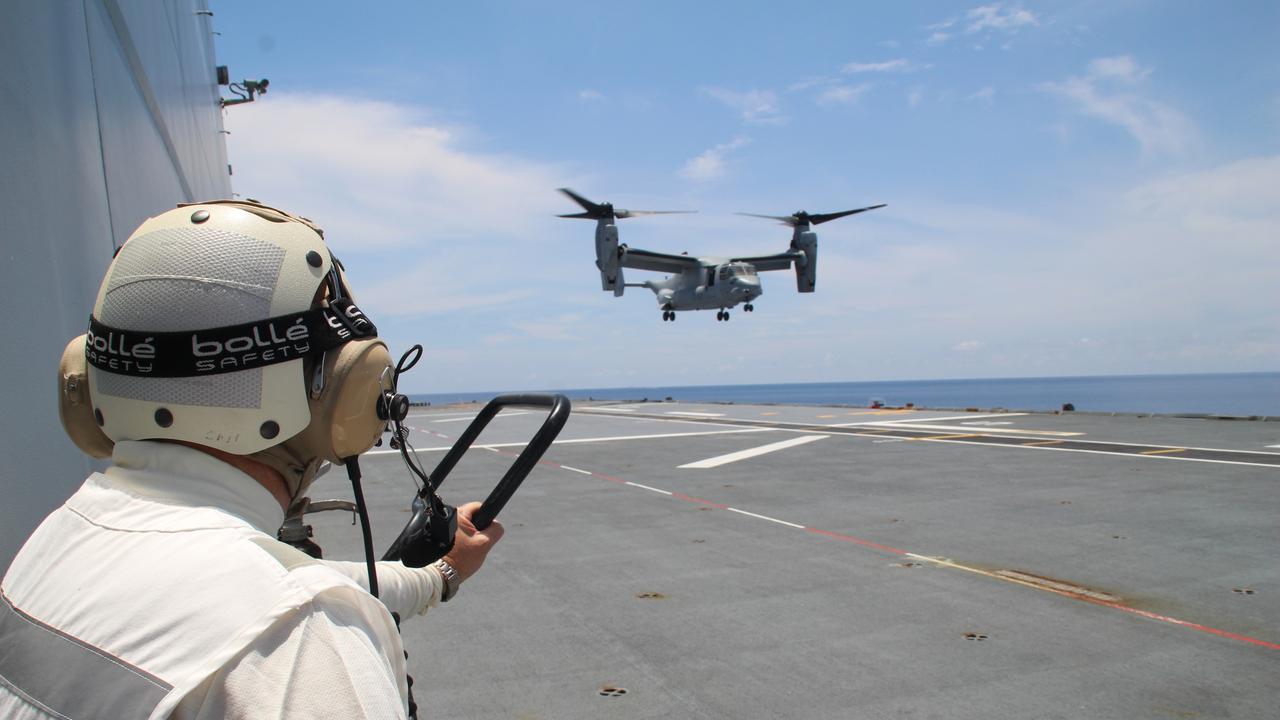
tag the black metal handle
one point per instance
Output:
(510, 482)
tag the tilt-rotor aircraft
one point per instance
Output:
(701, 283)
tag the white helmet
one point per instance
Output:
(229, 325)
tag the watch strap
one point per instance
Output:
(451, 580)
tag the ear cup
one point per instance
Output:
(75, 405)
(355, 376)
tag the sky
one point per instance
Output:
(1073, 188)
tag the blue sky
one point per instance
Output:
(1074, 188)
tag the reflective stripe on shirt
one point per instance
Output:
(68, 677)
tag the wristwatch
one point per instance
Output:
(451, 580)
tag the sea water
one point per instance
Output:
(1243, 394)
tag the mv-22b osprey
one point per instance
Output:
(701, 283)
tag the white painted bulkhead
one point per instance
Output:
(109, 113)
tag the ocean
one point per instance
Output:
(1236, 394)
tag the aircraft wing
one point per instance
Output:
(780, 261)
(656, 261)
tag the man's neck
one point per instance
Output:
(266, 476)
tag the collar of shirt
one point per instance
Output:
(187, 488)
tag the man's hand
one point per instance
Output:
(470, 546)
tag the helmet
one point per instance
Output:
(229, 325)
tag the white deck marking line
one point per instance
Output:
(970, 428)
(574, 469)
(576, 441)
(695, 414)
(750, 453)
(871, 427)
(611, 409)
(495, 417)
(766, 517)
(646, 487)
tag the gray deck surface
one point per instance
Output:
(869, 555)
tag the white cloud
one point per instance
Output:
(754, 106)
(896, 65)
(403, 202)
(998, 16)
(915, 96)
(810, 83)
(843, 94)
(589, 95)
(1121, 67)
(1111, 91)
(987, 93)
(710, 164)
(968, 346)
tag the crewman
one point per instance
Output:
(225, 363)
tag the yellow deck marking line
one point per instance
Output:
(768, 413)
(1017, 579)
(1162, 452)
(1042, 443)
(1014, 577)
(908, 424)
(944, 437)
(825, 417)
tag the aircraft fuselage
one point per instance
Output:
(713, 287)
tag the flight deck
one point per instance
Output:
(681, 560)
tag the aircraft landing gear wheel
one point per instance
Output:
(749, 307)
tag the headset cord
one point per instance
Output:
(353, 472)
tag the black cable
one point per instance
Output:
(407, 361)
(353, 472)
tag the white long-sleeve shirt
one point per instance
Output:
(159, 590)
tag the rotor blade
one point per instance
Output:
(594, 210)
(634, 213)
(585, 215)
(784, 219)
(818, 219)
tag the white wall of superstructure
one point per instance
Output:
(109, 113)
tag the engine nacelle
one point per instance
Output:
(607, 257)
(807, 265)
